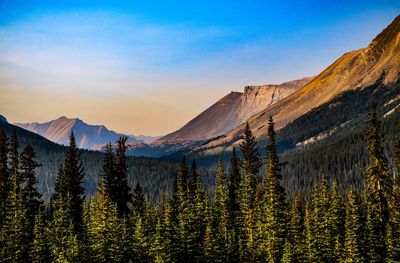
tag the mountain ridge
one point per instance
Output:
(231, 110)
(353, 70)
(87, 135)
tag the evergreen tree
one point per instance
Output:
(249, 168)
(159, 246)
(318, 225)
(221, 235)
(138, 201)
(5, 179)
(378, 189)
(108, 172)
(199, 212)
(105, 229)
(354, 230)
(336, 223)
(15, 240)
(73, 174)
(30, 193)
(63, 242)
(295, 246)
(141, 244)
(39, 251)
(393, 231)
(172, 238)
(14, 159)
(233, 205)
(61, 185)
(122, 191)
(273, 218)
(248, 147)
(182, 199)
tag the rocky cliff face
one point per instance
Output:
(257, 98)
(87, 136)
(354, 70)
(231, 111)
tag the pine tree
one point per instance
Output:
(295, 247)
(378, 188)
(5, 179)
(73, 173)
(30, 193)
(138, 201)
(182, 199)
(318, 225)
(172, 238)
(249, 168)
(393, 231)
(108, 172)
(123, 191)
(61, 186)
(221, 236)
(201, 210)
(273, 218)
(14, 158)
(354, 230)
(248, 147)
(336, 223)
(105, 229)
(233, 205)
(159, 246)
(141, 244)
(15, 240)
(39, 251)
(63, 242)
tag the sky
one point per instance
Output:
(149, 67)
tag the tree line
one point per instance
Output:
(249, 219)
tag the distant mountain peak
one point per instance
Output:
(87, 136)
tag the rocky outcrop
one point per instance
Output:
(232, 110)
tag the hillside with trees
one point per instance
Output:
(248, 219)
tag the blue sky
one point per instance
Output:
(149, 68)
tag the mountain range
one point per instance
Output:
(220, 126)
(87, 136)
(320, 121)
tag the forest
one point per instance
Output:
(246, 218)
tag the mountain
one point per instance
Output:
(87, 136)
(146, 139)
(155, 181)
(232, 110)
(2, 118)
(380, 61)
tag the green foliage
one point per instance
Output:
(354, 239)
(39, 251)
(30, 192)
(273, 215)
(15, 234)
(378, 190)
(122, 191)
(63, 242)
(104, 229)
(73, 175)
(5, 179)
